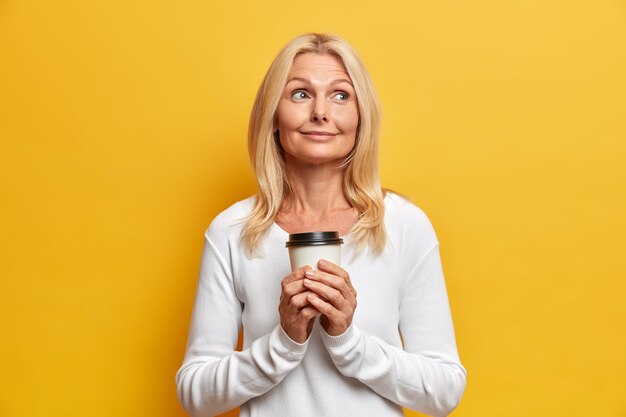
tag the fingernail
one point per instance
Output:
(310, 273)
(307, 281)
(322, 262)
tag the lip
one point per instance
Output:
(316, 134)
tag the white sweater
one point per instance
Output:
(364, 372)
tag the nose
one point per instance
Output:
(319, 113)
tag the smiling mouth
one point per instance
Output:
(318, 134)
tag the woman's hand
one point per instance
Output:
(332, 295)
(296, 314)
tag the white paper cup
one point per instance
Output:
(309, 248)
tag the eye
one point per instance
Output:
(299, 95)
(341, 96)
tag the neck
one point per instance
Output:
(317, 189)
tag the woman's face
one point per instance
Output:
(317, 114)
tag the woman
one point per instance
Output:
(313, 142)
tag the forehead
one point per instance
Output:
(320, 65)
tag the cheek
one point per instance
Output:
(347, 118)
(289, 117)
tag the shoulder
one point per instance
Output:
(399, 205)
(406, 221)
(231, 220)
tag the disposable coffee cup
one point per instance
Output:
(309, 248)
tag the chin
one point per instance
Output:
(318, 159)
(315, 154)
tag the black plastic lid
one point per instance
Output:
(314, 239)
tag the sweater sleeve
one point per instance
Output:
(215, 378)
(427, 375)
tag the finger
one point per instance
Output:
(295, 275)
(299, 301)
(334, 269)
(293, 288)
(321, 305)
(327, 293)
(333, 281)
(307, 313)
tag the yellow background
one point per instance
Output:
(123, 129)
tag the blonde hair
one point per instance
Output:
(361, 182)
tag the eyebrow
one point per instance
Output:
(337, 81)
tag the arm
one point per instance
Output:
(214, 377)
(427, 375)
